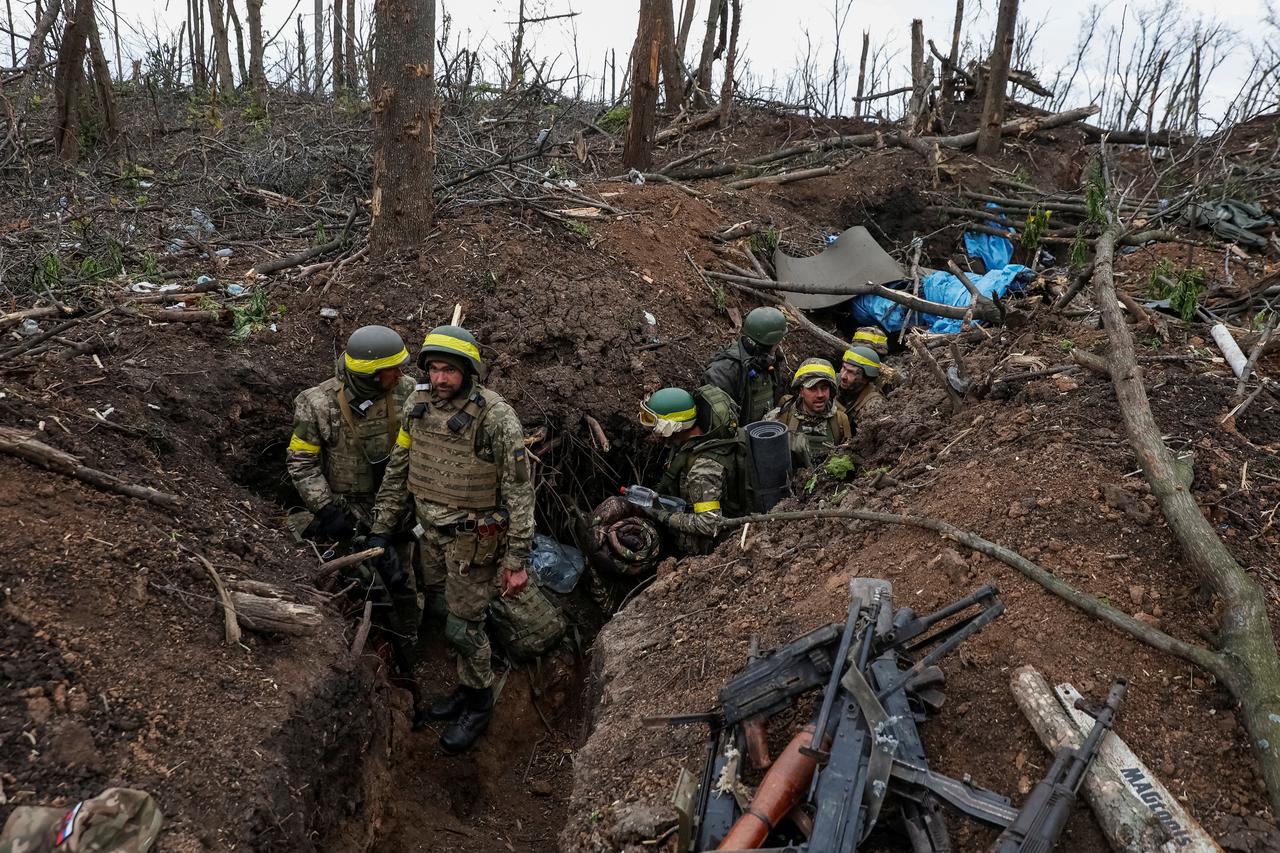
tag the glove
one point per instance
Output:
(657, 513)
(333, 523)
(388, 565)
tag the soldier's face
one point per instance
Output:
(446, 380)
(815, 399)
(851, 377)
(388, 377)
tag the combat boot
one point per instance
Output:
(448, 707)
(464, 731)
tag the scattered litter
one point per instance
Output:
(558, 566)
(103, 414)
(149, 287)
(635, 177)
(199, 218)
(177, 306)
(273, 327)
(29, 327)
(203, 280)
(223, 253)
(329, 313)
(236, 290)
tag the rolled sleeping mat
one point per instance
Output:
(769, 443)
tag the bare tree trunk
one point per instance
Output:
(953, 58)
(35, 47)
(234, 16)
(517, 52)
(221, 47)
(115, 34)
(304, 76)
(687, 9)
(726, 88)
(352, 72)
(317, 47)
(339, 82)
(920, 83)
(1247, 662)
(102, 77)
(997, 80)
(862, 73)
(672, 77)
(198, 57)
(702, 93)
(403, 121)
(637, 152)
(68, 82)
(257, 72)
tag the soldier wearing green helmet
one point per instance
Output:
(750, 370)
(700, 428)
(816, 422)
(460, 455)
(344, 430)
(859, 395)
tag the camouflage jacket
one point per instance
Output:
(753, 385)
(499, 440)
(699, 479)
(864, 405)
(326, 462)
(813, 437)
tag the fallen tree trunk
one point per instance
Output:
(273, 614)
(24, 446)
(1247, 662)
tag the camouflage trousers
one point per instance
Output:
(465, 566)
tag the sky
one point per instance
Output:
(774, 32)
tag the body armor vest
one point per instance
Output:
(444, 467)
(353, 465)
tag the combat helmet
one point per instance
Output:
(863, 357)
(765, 326)
(812, 371)
(668, 411)
(453, 344)
(374, 348)
(873, 338)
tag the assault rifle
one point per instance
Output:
(1045, 813)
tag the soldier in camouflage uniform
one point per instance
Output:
(343, 432)
(121, 820)
(460, 455)
(858, 392)
(701, 429)
(750, 370)
(817, 423)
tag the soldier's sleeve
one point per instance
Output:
(875, 407)
(390, 505)
(723, 373)
(303, 459)
(514, 485)
(704, 489)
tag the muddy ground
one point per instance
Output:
(112, 657)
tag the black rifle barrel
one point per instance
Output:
(977, 624)
(837, 670)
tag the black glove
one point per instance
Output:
(388, 565)
(333, 523)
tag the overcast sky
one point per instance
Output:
(773, 31)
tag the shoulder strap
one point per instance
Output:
(344, 407)
(843, 427)
(393, 422)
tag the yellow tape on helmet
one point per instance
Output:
(373, 365)
(857, 358)
(457, 345)
(826, 371)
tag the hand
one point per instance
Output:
(514, 580)
(333, 523)
(388, 565)
(657, 513)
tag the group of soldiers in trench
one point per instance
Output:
(436, 474)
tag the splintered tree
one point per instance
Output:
(403, 116)
(645, 54)
(998, 79)
(79, 35)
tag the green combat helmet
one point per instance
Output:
(765, 326)
(812, 371)
(669, 411)
(453, 344)
(864, 357)
(374, 348)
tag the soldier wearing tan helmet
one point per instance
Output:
(818, 424)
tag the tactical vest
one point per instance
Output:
(836, 427)
(354, 463)
(444, 467)
(725, 443)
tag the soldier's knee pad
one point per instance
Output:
(466, 637)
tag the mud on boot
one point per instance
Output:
(464, 731)
(448, 707)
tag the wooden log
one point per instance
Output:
(362, 633)
(332, 567)
(267, 615)
(231, 626)
(1159, 806)
(924, 355)
(784, 178)
(1126, 821)
(181, 315)
(24, 446)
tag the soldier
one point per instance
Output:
(873, 338)
(750, 369)
(460, 454)
(701, 429)
(858, 392)
(817, 423)
(343, 432)
(121, 820)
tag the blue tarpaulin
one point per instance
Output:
(940, 287)
(995, 252)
